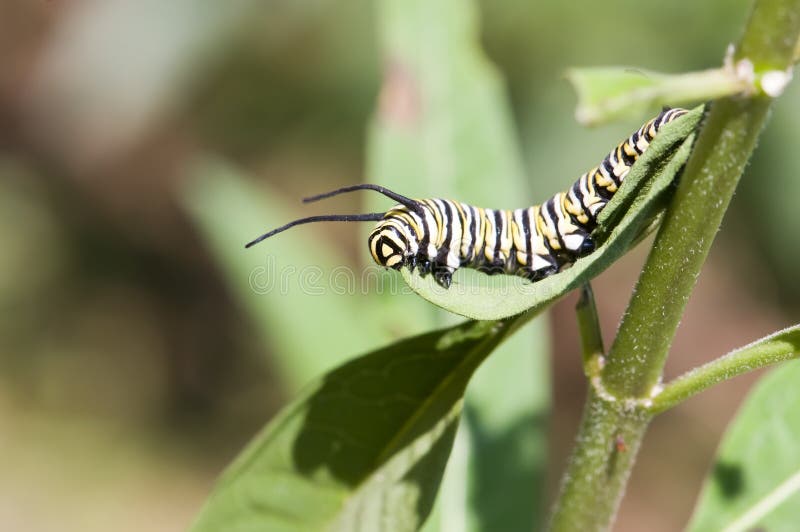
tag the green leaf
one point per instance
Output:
(755, 480)
(285, 281)
(364, 447)
(100, 53)
(443, 128)
(607, 93)
(482, 297)
(507, 437)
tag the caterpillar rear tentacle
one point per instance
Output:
(438, 236)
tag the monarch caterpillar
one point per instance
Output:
(439, 236)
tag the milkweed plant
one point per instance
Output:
(390, 440)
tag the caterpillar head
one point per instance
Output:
(388, 246)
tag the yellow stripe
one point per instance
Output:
(507, 239)
(437, 215)
(488, 248)
(411, 222)
(480, 232)
(464, 229)
(629, 150)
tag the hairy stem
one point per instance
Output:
(779, 347)
(595, 478)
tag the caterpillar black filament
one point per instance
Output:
(439, 236)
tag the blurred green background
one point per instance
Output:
(136, 141)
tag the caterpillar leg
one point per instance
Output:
(424, 265)
(538, 275)
(586, 247)
(576, 240)
(443, 275)
(541, 266)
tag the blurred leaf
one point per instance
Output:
(607, 93)
(443, 129)
(482, 297)
(771, 193)
(507, 437)
(110, 70)
(755, 482)
(312, 308)
(363, 448)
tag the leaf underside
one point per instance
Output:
(363, 448)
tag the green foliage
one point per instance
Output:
(607, 93)
(363, 448)
(442, 128)
(755, 480)
(270, 279)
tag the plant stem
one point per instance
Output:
(640, 349)
(595, 478)
(598, 466)
(780, 347)
(589, 328)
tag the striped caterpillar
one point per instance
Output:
(439, 236)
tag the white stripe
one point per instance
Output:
(430, 223)
(573, 241)
(505, 236)
(413, 239)
(466, 236)
(604, 172)
(455, 237)
(443, 215)
(491, 234)
(642, 144)
(539, 263)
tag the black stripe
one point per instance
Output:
(473, 232)
(551, 208)
(635, 140)
(526, 228)
(412, 231)
(627, 159)
(498, 222)
(608, 168)
(662, 119)
(602, 191)
(577, 187)
(551, 253)
(646, 129)
(480, 250)
(588, 225)
(462, 216)
(426, 234)
(447, 242)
